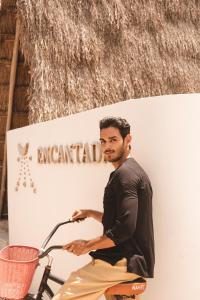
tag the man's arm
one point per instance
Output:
(100, 242)
(127, 210)
(87, 213)
(79, 247)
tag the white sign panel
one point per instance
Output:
(55, 167)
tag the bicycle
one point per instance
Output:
(14, 257)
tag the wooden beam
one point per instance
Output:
(9, 117)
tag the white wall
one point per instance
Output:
(165, 142)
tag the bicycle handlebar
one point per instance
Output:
(43, 254)
(46, 252)
(53, 231)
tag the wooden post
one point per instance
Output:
(13, 72)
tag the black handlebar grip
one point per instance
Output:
(79, 219)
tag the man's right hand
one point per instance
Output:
(80, 215)
(86, 213)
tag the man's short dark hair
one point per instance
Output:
(117, 122)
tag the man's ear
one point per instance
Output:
(128, 138)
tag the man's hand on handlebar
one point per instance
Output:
(77, 247)
(80, 215)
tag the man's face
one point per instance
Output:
(112, 144)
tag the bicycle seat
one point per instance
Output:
(128, 288)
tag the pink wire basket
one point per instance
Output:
(17, 267)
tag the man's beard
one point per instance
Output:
(119, 157)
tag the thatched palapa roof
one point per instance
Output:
(88, 53)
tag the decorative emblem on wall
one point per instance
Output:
(24, 176)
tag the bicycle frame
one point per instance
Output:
(44, 287)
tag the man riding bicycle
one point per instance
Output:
(125, 251)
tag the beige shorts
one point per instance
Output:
(92, 280)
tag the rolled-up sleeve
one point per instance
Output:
(127, 209)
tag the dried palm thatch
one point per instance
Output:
(89, 53)
(21, 101)
(19, 120)
(23, 76)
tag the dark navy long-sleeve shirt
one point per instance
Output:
(127, 219)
